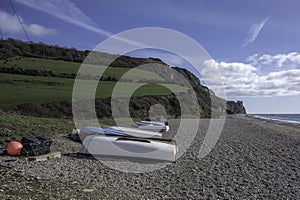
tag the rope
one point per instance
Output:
(20, 21)
(27, 36)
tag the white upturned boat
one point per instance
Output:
(90, 130)
(152, 125)
(146, 148)
(138, 132)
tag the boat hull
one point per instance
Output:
(133, 147)
(151, 126)
(138, 132)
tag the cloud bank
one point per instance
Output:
(254, 32)
(10, 24)
(241, 79)
(291, 59)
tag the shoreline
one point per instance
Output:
(271, 120)
(274, 119)
(284, 127)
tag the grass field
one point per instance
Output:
(60, 66)
(15, 89)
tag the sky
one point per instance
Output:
(254, 44)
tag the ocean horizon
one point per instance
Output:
(291, 118)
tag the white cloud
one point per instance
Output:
(10, 24)
(254, 32)
(291, 59)
(67, 11)
(242, 79)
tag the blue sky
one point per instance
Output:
(254, 44)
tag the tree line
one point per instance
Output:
(14, 47)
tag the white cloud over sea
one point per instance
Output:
(10, 24)
(247, 79)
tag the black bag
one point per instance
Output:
(35, 145)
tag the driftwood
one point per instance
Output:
(4, 168)
(55, 154)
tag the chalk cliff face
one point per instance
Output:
(139, 106)
(206, 96)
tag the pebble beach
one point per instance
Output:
(253, 159)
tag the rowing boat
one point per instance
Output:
(132, 147)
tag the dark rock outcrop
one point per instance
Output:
(235, 107)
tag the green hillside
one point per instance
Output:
(60, 66)
(16, 89)
(22, 88)
(43, 76)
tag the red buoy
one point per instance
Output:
(14, 148)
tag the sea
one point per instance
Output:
(291, 118)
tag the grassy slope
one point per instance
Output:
(13, 126)
(16, 89)
(59, 66)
